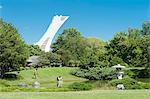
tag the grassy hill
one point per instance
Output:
(47, 76)
(47, 79)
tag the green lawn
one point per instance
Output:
(95, 94)
(47, 79)
(47, 76)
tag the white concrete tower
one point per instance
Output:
(45, 42)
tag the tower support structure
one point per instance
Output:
(45, 42)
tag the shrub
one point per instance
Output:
(100, 74)
(129, 73)
(129, 83)
(81, 86)
(4, 83)
(142, 73)
(117, 60)
(138, 73)
(79, 72)
(12, 76)
(96, 73)
(146, 85)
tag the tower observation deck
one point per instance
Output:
(45, 42)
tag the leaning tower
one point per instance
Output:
(45, 42)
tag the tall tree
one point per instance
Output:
(145, 55)
(68, 45)
(146, 28)
(13, 50)
(126, 47)
(76, 50)
(93, 54)
(145, 44)
(116, 49)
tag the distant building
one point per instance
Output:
(33, 60)
(45, 42)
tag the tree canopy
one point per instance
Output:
(76, 50)
(92, 55)
(13, 50)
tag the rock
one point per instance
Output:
(36, 85)
(23, 85)
(120, 87)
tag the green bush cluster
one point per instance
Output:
(79, 72)
(140, 73)
(81, 86)
(96, 73)
(130, 83)
(4, 83)
(146, 85)
(12, 76)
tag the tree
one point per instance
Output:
(130, 49)
(145, 44)
(116, 48)
(50, 59)
(134, 51)
(146, 28)
(68, 45)
(76, 50)
(145, 55)
(93, 54)
(13, 50)
(126, 47)
(34, 50)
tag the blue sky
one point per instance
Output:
(93, 18)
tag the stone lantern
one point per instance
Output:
(119, 72)
(119, 75)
